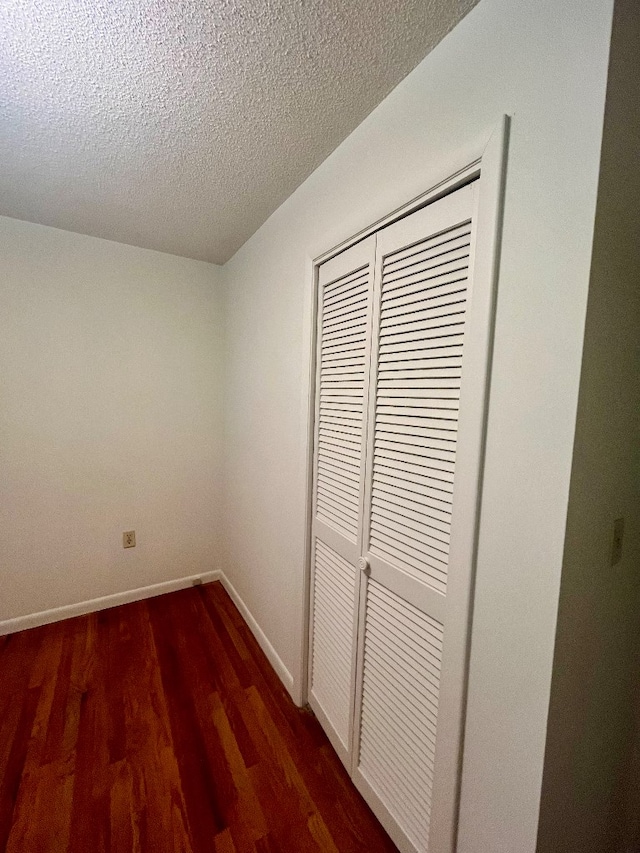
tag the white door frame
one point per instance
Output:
(490, 168)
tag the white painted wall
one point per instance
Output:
(545, 63)
(110, 417)
(596, 659)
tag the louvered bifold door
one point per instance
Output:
(342, 380)
(418, 537)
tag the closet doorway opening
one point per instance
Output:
(403, 327)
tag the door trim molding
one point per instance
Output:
(463, 176)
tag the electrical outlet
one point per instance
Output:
(129, 539)
(616, 544)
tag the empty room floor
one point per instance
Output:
(160, 726)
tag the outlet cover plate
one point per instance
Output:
(129, 539)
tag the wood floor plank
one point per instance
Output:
(224, 842)
(158, 796)
(43, 803)
(203, 690)
(235, 657)
(229, 687)
(18, 657)
(246, 816)
(267, 844)
(42, 814)
(278, 782)
(287, 821)
(16, 753)
(125, 829)
(198, 779)
(320, 833)
(90, 824)
(160, 727)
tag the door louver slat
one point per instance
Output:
(413, 407)
(333, 605)
(402, 755)
(396, 754)
(397, 662)
(343, 346)
(398, 516)
(449, 240)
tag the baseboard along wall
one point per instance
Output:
(68, 611)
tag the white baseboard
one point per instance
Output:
(45, 617)
(34, 620)
(274, 658)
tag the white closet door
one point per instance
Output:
(418, 531)
(342, 380)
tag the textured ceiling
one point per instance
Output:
(180, 125)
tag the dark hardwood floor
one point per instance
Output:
(160, 726)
